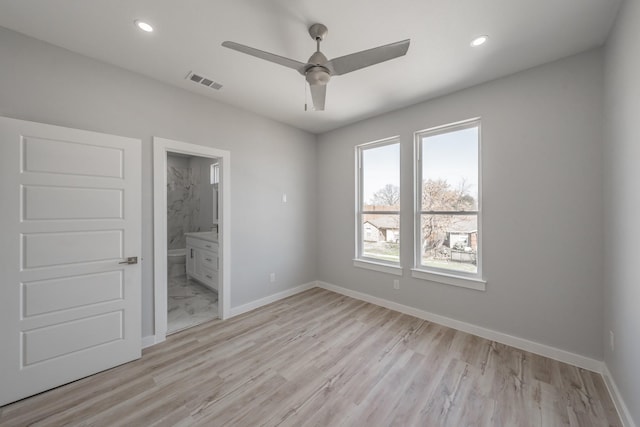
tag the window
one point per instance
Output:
(378, 205)
(448, 203)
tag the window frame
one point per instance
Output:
(376, 264)
(442, 275)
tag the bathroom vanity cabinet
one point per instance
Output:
(202, 260)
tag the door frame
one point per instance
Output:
(162, 147)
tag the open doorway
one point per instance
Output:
(192, 240)
(191, 235)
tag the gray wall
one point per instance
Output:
(542, 204)
(622, 202)
(43, 83)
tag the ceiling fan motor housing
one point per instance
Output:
(317, 74)
(317, 58)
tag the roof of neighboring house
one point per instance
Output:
(388, 208)
(382, 221)
(385, 222)
(462, 231)
(463, 225)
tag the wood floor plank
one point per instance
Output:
(323, 359)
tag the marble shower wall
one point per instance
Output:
(183, 200)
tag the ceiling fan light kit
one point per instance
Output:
(318, 70)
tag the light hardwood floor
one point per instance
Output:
(322, 359)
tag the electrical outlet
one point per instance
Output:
(396, 284)
(284, 197)
(272, 277)
(611, 341)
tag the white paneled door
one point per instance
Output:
(69, 220)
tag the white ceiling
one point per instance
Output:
(188, 34)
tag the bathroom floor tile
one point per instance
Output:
(189, 304)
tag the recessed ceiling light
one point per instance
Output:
(143, 26)
(478, 41)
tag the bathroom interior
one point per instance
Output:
(192, 241)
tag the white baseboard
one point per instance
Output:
(235, 311)
(150, 340)
(520, 343)
(621, 407)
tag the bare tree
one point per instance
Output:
(389, 195)
(439, 196)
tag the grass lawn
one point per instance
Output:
(387, 251)
(450, 265)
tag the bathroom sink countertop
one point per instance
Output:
(209, 236)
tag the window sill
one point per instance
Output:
(450, 279)
(378, 266)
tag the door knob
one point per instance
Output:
(130, 260)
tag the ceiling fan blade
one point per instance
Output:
(355, 61)
(277, 59)
(318, 95)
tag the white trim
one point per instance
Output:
(152, 340)
(450, 127)
(520, 343)
(241, 309)
(161, 147)
(378, 266)
(449, 279)
(618, 402)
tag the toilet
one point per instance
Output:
(176, 262)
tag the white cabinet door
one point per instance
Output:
(202, 261)
(194, 260)
(191, 260)
(70, 214)
(199, 272)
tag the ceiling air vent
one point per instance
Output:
(204, 81)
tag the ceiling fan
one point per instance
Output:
(318, 70)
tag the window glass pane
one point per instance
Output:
(450, 171)
(449, 242)
(381, 237)
(381, 178)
